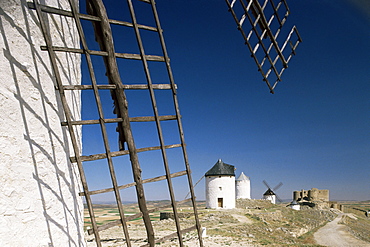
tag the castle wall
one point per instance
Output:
(39, 202)
(311, 195)
(319, 195)
(296, 195)
(220, 187)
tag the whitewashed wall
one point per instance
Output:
(295, 207)
(271, 198)
(220, 187)
(39, 202)
(243, 189)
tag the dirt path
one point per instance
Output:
(336, 235)
(242, 219)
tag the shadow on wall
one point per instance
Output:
(39, 197)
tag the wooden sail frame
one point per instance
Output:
(117, 88)
(261, 23)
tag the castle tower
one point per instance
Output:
(297, 195)
(270, 195)
(243, 187)
(220, 186)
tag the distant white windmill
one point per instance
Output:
(270, 194)
(243, 187)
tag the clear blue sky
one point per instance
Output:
(312, 133)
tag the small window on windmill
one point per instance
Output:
(220, 188)
(261, 25)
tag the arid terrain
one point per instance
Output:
(253, 223)
(336, 234)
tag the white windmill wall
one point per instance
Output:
(39, 202)
(295, 207)
(271, 198)
(243, 189)
(220, 187)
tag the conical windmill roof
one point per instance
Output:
(269, 192)
(221, 169)
(242, 177)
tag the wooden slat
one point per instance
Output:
(86, 87)
(156, 114)
(86, 122)
(120, 153)
(106, 41)
(150, 119)
(63, 12)
(99, 156)
(264, 24)
(104, 53)
(111, 87)
(275, 9)
(148, 180)
(133, 217)
(117, 120)
(138, 57)
(246, 38)
(97, 8)
(180, 128)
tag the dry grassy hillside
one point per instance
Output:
(259, 222)
(253, 223)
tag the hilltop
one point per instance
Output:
(252, 223)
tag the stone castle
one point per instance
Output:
(311, 195)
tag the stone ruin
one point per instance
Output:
(313, 197)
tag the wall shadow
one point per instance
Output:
(48, 151)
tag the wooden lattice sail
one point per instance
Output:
(102, 24)
(261, 25)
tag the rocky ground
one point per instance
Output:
(253, 223)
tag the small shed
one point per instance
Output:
(295, 205)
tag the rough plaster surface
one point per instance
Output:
(271, 198)
(220, 187)
(39, 202)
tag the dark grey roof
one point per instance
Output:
(269, 192)
(221, 169)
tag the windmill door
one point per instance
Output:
(220, 202)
